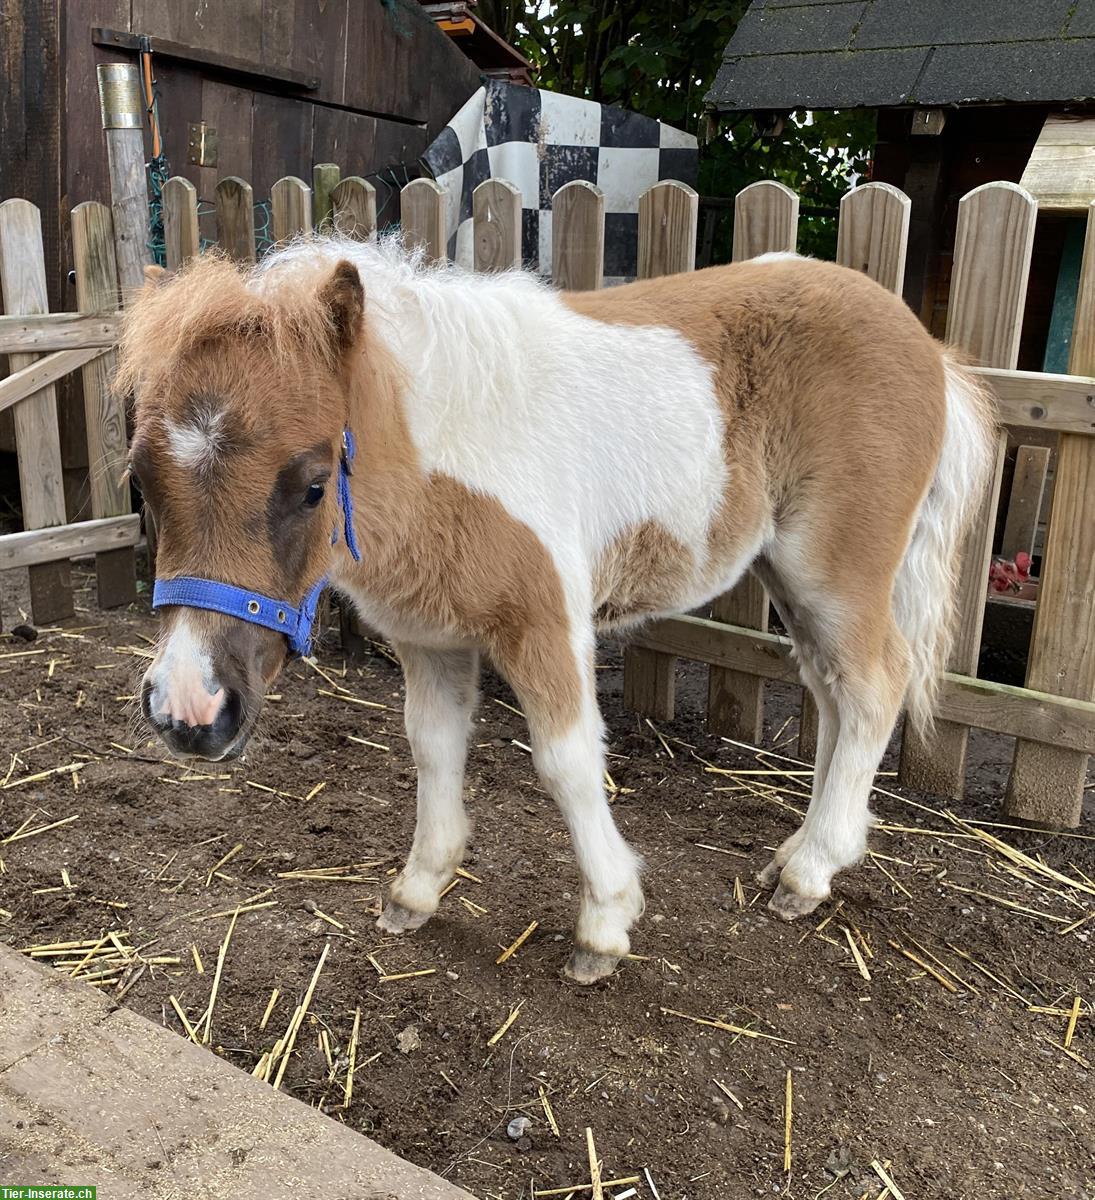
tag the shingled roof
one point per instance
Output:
(879, 53)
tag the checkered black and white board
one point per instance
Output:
(541, 140)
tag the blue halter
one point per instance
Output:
(295, 621)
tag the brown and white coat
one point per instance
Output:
(536, 466)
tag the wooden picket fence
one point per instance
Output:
(42, 348)
(1053, 717)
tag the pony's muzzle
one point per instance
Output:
(208, 730)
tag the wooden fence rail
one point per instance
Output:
(1053, 718)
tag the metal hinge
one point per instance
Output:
(201, 144)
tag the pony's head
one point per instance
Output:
(242, 390)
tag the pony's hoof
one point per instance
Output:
(789, 906)
(397, 919)
(587, 966)
(769, 875)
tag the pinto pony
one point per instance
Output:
(533, 467)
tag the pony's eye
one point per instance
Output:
(313, 495)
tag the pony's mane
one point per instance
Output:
(419, 310)
(213, 299)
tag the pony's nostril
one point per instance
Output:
(230, 718)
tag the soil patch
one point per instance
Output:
(947, 1063)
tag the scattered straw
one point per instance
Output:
(500, 1033)
(571, 1188)
(729, 1094)
(221, 861)
(348, 1090)
(882, 1174)
(787, 1125)
(269, 1008)
(861, 965)
(548, 1113)
(352, 699)
(728, 1028)
(516, 945)
(594, 1165)
(1071, 1053)
(22, 831)
(191, 1032)
(925, 966)
(407, 975)
(217, 979)
(365, 742)
(296, 1021)
(1073, 1017)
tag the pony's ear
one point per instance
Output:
(344, 299)
(155, 275)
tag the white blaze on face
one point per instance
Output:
(197, 443)
(183, 686)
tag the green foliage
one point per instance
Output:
(660, 57)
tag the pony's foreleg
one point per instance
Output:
(554, 680)
(441, 696)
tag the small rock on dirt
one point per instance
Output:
(517, 1128)
(409, 1040)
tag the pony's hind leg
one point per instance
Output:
(441, 695)
(828, 726)
(812, 669)
(856, 662)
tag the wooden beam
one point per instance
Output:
(57, 331)
(1036, 400)
(117, 39)
(1028, 485)
(62, 542)
(1019, 712)
(1060, 173)
(928, 122)
(42, 372)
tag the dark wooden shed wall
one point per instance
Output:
(389, 80)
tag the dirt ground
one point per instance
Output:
(940, 1053)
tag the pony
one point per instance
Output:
(533, 468)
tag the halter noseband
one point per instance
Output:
(295, 621)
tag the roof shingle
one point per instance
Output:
(875, 53)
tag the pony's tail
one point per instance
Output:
(926, 585)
